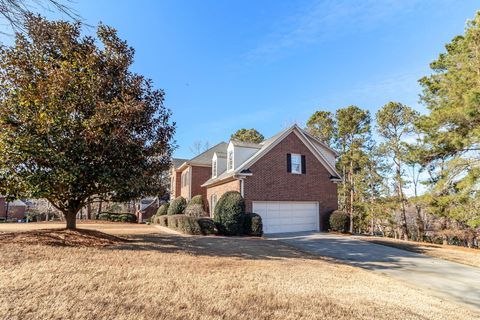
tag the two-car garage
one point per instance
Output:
(287, 216)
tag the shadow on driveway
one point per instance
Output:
(447, 279)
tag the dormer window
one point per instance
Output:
(230, 160)
(214, 168)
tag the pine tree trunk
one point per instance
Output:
(351, 195)
(402, 200)
(420, 224)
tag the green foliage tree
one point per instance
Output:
(322, 126)
(353, 137)
(395, 123)
(452, 128)
(76, 123)
(248, 135)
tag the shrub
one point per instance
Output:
(103, 216)
(207, 226)
(229, 213)
(253, 225)
(117, 217)
(127, 217)
(194, 210)
(198, 199)
(190, 225)
(163, 220)
(177, 206)
(163, 209)
(339, 221)
(172, 222)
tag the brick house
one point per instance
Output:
(289, 179)
(12, 211)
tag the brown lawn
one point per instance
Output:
(146, 274)
(467, 256)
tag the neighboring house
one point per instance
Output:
(148, 207)
(187, 176)
(13, 210)
(289, 179)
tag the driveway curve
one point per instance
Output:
(443, 278)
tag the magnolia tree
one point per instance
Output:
(76, 123)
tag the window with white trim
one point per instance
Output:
(185, 178)
(296, 163)
(214, 168)
(213, 203)
(230, 160)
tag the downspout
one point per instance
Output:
(242, 187)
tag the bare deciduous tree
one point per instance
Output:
(14, 12)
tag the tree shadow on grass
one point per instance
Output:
(213, 246)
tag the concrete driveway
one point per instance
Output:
(445, 279)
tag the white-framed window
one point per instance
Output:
(230, 160)
(185, 178)
(214, 168)
(296, 163)
(213, 203)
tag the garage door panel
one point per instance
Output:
(284, 216)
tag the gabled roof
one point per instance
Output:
(268, 144)
(246, 144)
(204, 158)
(177, 162)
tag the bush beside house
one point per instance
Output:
(230, 217)
(190, 225)
(163, 209)
(198, 199)
(229, 214)
(177, 206)
(253, 225)
(339, 221)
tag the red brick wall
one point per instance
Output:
(185, 190)
(199, 176)
(14, 212)
(271, 181)
(221, 189)
(175, 183)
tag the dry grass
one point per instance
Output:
(467, 256)
(161, 276)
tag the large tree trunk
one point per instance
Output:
(71, 219)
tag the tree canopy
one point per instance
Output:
(75, 122)
(248, 135)
(322, 126)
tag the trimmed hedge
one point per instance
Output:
(195, 210)
(198, 199)
(117, 217)
(161, 220)
(190, 225)
(163, 209)
(177, 206)
(230, 213)
(253, 225)
(340, 221)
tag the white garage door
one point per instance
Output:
(285, 216)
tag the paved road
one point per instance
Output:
(448, 280)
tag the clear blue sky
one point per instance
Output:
(266, 64)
